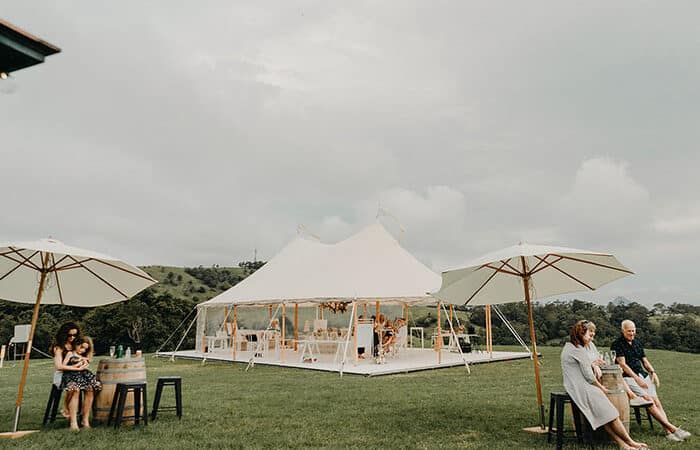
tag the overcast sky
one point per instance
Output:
(187, 133)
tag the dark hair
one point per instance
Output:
(577, 332)
(61, 337)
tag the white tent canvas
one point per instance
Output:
(369, 266)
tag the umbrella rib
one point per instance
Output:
(24, 261)
(58, 282)
(99, 277)
(487, 281)
(570, 276)
(546, 264)
(76, 264)
(499, 269)
(19, 264)
(596, 264)
(54, 263)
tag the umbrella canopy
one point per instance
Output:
(499, 277)
(74, 276)
(50, 271)
(524, 272)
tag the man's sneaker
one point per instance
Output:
(682, 434)
(673, 437)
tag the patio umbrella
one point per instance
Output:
(51, 272)
(527, 272)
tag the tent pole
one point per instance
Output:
(270, 308)
(439, 335)
(354, 332)
(25, 368)
(320, 311)
(296, 325)
(408, 336)
(235, 332)
(451, 312)
(204, 331)
(526, 285)
(376, 307)
(284, 328)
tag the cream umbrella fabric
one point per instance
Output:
(498, 277)
(525, 272)
(51, 272)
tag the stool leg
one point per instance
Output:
(156, 400)
(115, 400)
(551, 418)
(123, 392)
(137, 406)
(145, 406)
(637, 415)
(178, 399)
(651, 422)
(577, 421)
(50, 405)
(560, 424)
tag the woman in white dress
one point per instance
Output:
(587, 393)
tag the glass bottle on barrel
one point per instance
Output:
(120, 351)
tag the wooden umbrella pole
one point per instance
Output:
(526, 285)
(489, 331)
(439, 335)
(28, 351)
(284, 328)
(296, 325)
(235, 332)
(354, 333)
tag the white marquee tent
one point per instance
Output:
(370, 266)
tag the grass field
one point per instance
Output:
(267, 407)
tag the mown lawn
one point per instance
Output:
(226, 407)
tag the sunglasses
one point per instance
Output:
(72, 334)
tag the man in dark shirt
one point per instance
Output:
(641, 377)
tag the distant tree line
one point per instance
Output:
(676, 327)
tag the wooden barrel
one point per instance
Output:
(113, 371)
(612, 380)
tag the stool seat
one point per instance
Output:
(122, 390)
(638, 416)
(174, 381)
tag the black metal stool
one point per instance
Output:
(557, 402)
(168, 381)
(120, 393)
(638, 416)
(54, 401)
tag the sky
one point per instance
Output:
(195, 133)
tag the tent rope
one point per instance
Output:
(456, 341)
(511, 328)
(184, 335)
(173, 333)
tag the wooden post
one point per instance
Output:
(439, 335)
(204, 331)
(354, 333)
(526, 286)
(235, 332)
(489, 332)
(284, 328)
(376, 307)
(35, 316)
(364, 305)
(296, 325)
(270, 308)
(320, 311)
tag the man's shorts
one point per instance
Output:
(650, 391)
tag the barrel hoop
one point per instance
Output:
(133, 380)
(136, 369)
(109, 408)
(616, 391)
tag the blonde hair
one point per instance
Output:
(91, 347)
(590, 325)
